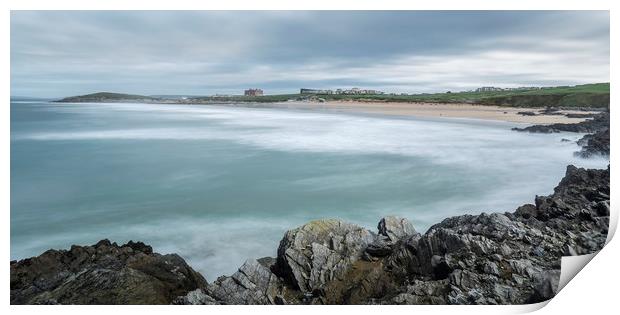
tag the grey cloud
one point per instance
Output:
(57, 53)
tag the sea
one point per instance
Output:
(221, 184)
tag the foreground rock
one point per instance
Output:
(104, 273)
(319, 252)
(510, 258)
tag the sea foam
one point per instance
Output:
(222, 184)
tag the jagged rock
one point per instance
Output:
(314, 254)
(546, 287)
(422, 292)
(391, 231)
(253, 283)
(510, 258)
(104, 273)
(478, 259)
(579, 115)
(594, 144)
(598, 123)
(196, 297)
(380, 247)
(268, 262)
(395, 228)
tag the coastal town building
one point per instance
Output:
(495, 89)
(253, 92)
(353, 91)
(315, 91)
(488, 89)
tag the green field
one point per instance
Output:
(587, 95)
(106, 97)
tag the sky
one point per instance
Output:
(63, 53)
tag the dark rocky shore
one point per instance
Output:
(596, 142)
(510, 258)
(104, 273)
(597, 123)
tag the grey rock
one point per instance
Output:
(253, 283)
(546, 287)
(196, 297)
(380, 247)
(104, 273)
(594, 144)
(395, 228)
(598, 123)
(320, 251)
(510, 258)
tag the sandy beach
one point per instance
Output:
(452, 110)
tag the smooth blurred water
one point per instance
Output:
(218, 185)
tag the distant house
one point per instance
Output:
(253, 92)
(488, 89)
(361, 91)
(315, 91)
(496, 89)
(352, 91)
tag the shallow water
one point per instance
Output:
(218, 185)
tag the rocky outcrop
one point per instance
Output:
(253, 283)
(594, 144)
(598, 123)
(395, 228)
(318, 252)
(104, 273)
(196, 297)
(497, 258)
(510, 258)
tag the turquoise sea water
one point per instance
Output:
(220, 184)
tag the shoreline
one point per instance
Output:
(521, 115)
(432, 110)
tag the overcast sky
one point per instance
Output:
(61, 53)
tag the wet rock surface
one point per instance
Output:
(104, 273)
(496, 258)
(597, 123)
(594, 144)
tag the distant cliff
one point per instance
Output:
(103, 97)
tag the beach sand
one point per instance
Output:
(453, 110)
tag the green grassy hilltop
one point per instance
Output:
(106, 97)
(587, 95)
